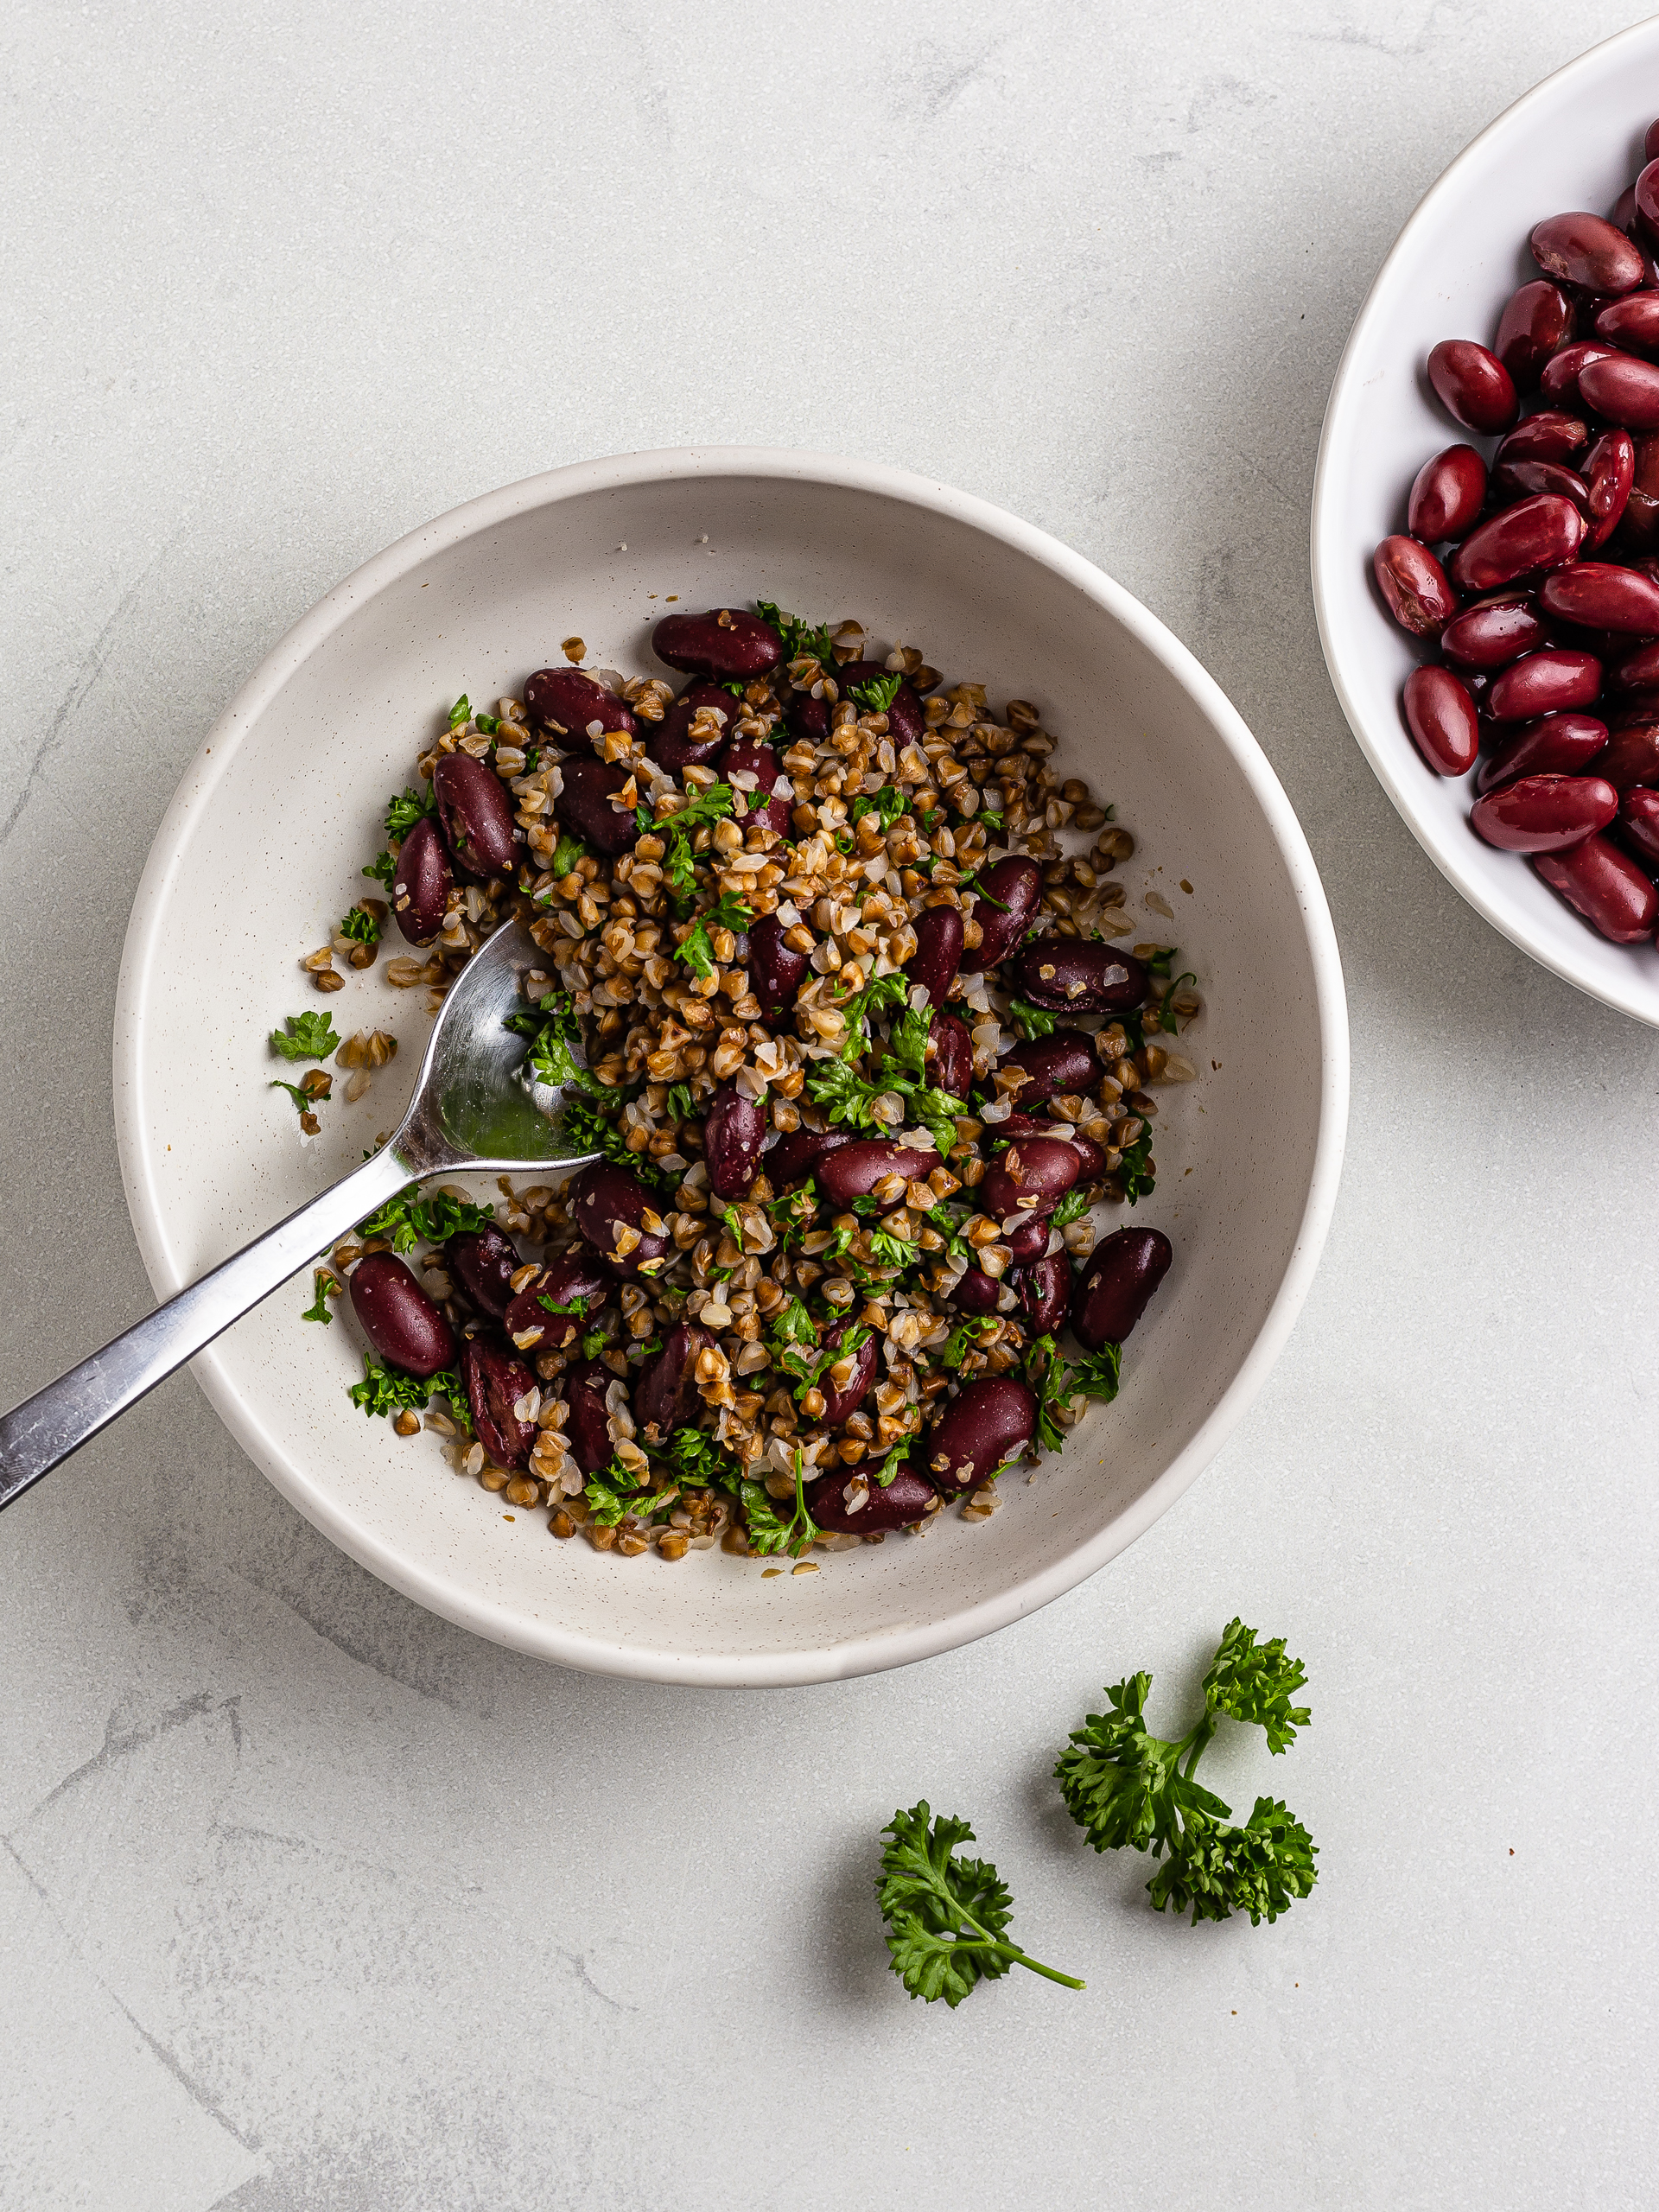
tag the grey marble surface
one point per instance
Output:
(310, 1899)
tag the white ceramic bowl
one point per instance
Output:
(1574, 141)
(260, 854)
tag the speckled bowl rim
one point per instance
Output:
(443, 1594)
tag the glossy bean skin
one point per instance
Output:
(1413, 585)
(567, 702)
(1555, 744)
(852, 1171)
(1585, 250)
(794, 1157)
(1623, 389)
(1033, 1175)
(1559, 380)
(1630, 757)
(1447, 496)
(588, 1425)
(1488, 638)
(1631, 323)
(1473, 386)
(483, 1262)
(1028, 1243)
(1541, 532)
(939, 952)
(839, 1404)
(421, 883)
(603, 1195)
(1638, 672)
(666, 1394)
(1554, 682)
(1078, 976)
(584, 805)
(1640, 517)
(906, 1499)
(1519, 480)
(1115, 1288)
(978, 1432)
(805, 716)
(669, 742)
(1544, 814)
(1442, 717)
(976, 1292)
(906, 720)
(1609, 472)
(1045, 1293)
(776, 969)
(476, 815)
(1605, 885)
(1638, 826)
(398, 1318)
(1602, 595)
(733, 1132)
(1017, 885)
(495, 1380)
(1645, 194)
(723, 642)
(1092, 1156)
(575, 1277)
(1536, 322)
(949, 1061)
(743, 756)
(1547, 436)
(1062, 1062)
(1639, 707)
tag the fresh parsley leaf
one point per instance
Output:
(949, 1225)
(382, 867)
(907, 1040)
(877, 693)
(893, 1251)
(591, 1346)
(698, 1459)
(460, 711)
(1095, 1376)
(734, 684)
(677, 1104)
(1031, 1022)
(301, 1099)
(566, 853)
(792, 1324)
(404, 812)
(1167, 1018)
(886, 804)
(311, 1037)
(947, 1918)
(880, 991)
(606, 1505)
(590, 1125)
(1253, 1682)
(991, 816)
(800, 642)
(807, 1369)
(1134, 1174)
(328, 1288)
(960, 1340)
(883, 1475)
(577, 1307)
(1161, 961)
(697, 949)
(554, 1031)
(389, 1390)
(844, 1095)
(677, 831)
(361, 926)
(1072, 1207)
(769, 1532)
(409, 1219)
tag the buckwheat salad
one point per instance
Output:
(836, 988)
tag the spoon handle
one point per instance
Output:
(57, 1421)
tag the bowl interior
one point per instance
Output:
(261, 854)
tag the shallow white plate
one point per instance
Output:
(260, 854)
(1574, 141)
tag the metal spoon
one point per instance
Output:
(472, 1108)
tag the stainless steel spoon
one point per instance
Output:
(472, 1108)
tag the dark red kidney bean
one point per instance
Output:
(1025, 1125)
(1645, 193)
(666, 1394)
(1413, 585)
(1490, 637)
(743, 757)
(1606, 886)
(939, 952)
(805, 716)
(854, 1170)
(1630, 757)
(1636, 711)
(1543, 532)
(1631, 323)
(1079, 976)
(1066, 1061)
(1017, 885)
(483, 1262)
(1447, 496)
(775, 968)
(904, 1501)
(723, 642)
(1638, 672)
(978, 1292)
(1115, 1287)
(906, 719)
(733, 1132)
(1045, 1293)
(793, 1157)
(1623, 389)
(1028, 1243)
(1473, 386)
(1585, 250)
(1610, 471)
(398, 1318)
(1033, 1174)
(669, 742)
(584, 805)
(839, 1403)
(476, 815)
(495, 1381)
(1549, 682)
(950, 1062)
(1547, 436)
(1519, 480)
(589, 1427)
(1650, 145)
(603, 1195)
(1559, 380)
(1601, 595)
(1442, 717)
(575, 1278)
(1536, 323)
(1639, 525)
(1092, 1155)
(567, 702)
(1544, 814)
(978, 1432)
(1638, 826)
(1624, 217)
(1555, 744)
(421, 883)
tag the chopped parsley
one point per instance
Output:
(311, 1037)
(409, 1219)
(877, 694)
(1031, 1022)
(800, 642)
(328, 1286)
(1072, 1207)
(361, 926)
(553, 1031)
(958, 1343)
(381, 868)
(388, 1390)
(1135, 1175)
(886, 804)
(461, 712)
(566, 853)
(697, 951)
(404, 812)
(769, 1532)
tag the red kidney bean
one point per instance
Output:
(1650, 144)
(1610, 471)
(476, 816)
(1064, 1062)
(1490, 637)
(1548, 682)
(1623, 389)
(1555, 744)
(567, 702)
(584, 805)
(978, 1432)
(669, 742)
(589, 1427)
(1017, 885)
(1645, 193)
(1028, 1243)
(723, 642)
(904, 1501)
(483, 1262)
(805, 716)
(1518, 479)
(575, 1278)
(775, 968)
(733, 1132)
(1079, 976)
(743, 756)
(1639, 708)
(1547, 436)
(950, 1063)
(1024, 1125)
(605, 1195)
(1447, 496)
(939, 952)
(1092, 1155)
(666, 1394)
(1544, 814)
(854, 1170)
(794, 1157)
(1631, 756)
(398, 1318)
(1640, 517)
(421, 883)
(1585, 250)
(839, 1403)
(1115, 1287)
(1631, 323)
(1473, 386)
(1442, 717)
(1606, 886)
(1543, 532)
(1639, 671)
(978, 1292)
(1033, 1174)
(1045, 1293)
(1638, 826)
(495, 1381)
(1559, 380)
(1537, 321)
(1413, 585)
(1601, 595)
(906, 720)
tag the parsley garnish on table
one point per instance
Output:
(947, 1918)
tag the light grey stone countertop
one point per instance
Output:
(308, 1899)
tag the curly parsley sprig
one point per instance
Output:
(947, 1918)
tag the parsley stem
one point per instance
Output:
(1018, 1958)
